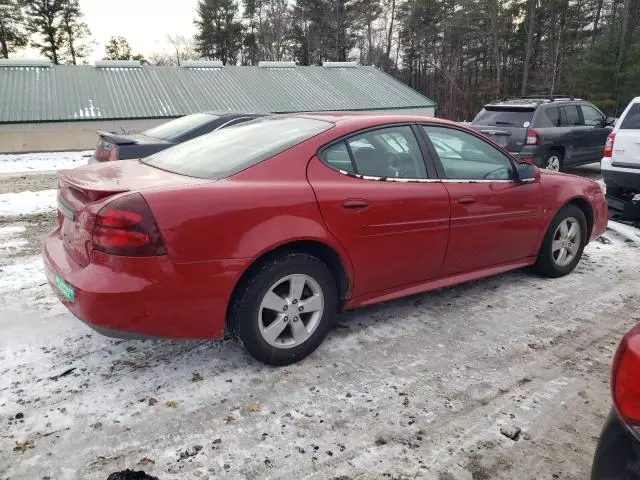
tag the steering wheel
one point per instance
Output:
(500, 173)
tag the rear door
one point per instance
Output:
(626, 147)
(383, 204)
(506, 125)
(494, 218)
(577, 137)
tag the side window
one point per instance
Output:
(553, 114)
(572, 116)
(466, 157)
(338, 157)
(391, 152)
(631, 120)
(591, 116)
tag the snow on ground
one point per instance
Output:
(627, 231)
(37, 162)
(419, 387)
(28, 202)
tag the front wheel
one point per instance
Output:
(285, 309)
(563, 243)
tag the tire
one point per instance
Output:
(550, 261)
(554, 160)
(257, 307)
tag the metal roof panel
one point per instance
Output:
(83, 92)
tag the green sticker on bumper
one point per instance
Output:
(65, 290)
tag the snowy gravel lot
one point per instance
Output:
(416, 388)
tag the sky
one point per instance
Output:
(145, 23)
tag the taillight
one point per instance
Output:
(608, 147)
(532, 137)
(126, 227)
(113, 154)
(625, 378)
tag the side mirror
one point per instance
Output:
(610, 121)
(526, 172)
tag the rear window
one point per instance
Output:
(231, 150)
(508, 117)
(631, 120)
(174, 129)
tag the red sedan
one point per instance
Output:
(271, 227)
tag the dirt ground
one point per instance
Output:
(416, 388)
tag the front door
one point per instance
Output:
(595, 134)
(494, 219)
(377, 199)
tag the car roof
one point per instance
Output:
(364, 119)
(535, 101)
(234, 114)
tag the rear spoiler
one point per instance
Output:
(115, 138)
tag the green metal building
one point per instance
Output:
(59, 107)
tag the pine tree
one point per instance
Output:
(74, 30)
(44, 19)
(12, 35)
(219, 31)
(117, 48)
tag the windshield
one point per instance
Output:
(231, 150)
(176, 128)
(503, 116)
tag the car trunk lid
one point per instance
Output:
(109, 143)
(84, 191)
(626, 149)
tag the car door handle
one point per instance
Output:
(467, 200)
(353, 205)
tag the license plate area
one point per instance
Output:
(65, 290)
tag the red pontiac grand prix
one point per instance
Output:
(271, 227)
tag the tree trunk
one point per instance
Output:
(369, 42)
(387, 55)
(622, 48)
(531, 23)
(596, 21)
(4, 49)
(72, 49)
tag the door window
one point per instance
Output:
(572, 116)
(591, 116)
(466, 157)
(391, 152)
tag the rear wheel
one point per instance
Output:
(553, 161)
(563, 243)
(285, 309)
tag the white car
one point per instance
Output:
(620, 165)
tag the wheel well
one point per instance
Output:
(318, 249)
(557, 148)
(583, 205)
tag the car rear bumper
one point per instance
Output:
(626, 178)
(147, 296)
(617, 455)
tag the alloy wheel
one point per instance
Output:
(553, 163)
(566, 242)
(290, 311)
